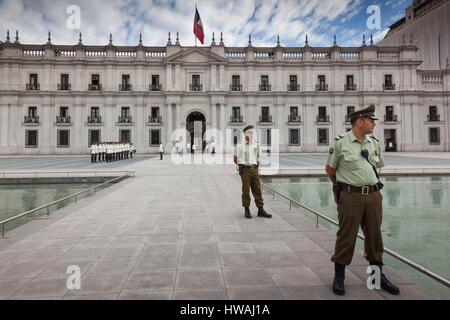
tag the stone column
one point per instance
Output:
(169, 120)
(178, 116)
(4, 114)
(139, 120)
(213, 116)
(177, 77)
(222, 77)
(222, 126)
(46, 135)
(169, 81)
(213, 78)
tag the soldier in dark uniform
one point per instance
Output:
(352, 164)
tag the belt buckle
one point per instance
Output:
(365, 190)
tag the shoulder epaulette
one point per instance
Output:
(374, 138)
(339, 137)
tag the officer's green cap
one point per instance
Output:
(248, 128)
(366, 113)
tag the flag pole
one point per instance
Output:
(195, 37)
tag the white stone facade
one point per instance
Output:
(427, 25)
(412, 93)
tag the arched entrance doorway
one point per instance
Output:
(196, 126)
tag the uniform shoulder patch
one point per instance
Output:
(339, 137)
(375, 138)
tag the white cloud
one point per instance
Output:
(125, 19)
(379, 35)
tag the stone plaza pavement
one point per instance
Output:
(178, 232)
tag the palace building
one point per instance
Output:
(59, 99)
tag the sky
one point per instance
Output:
(263, 19)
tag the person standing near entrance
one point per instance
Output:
(161, 151)
(352, 165)
(247, 158)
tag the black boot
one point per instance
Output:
(385, 284)
(263, 213)
(339, 277)
(248, 215)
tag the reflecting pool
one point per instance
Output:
(19, 198)
(416, 218)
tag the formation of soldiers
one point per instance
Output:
(111, 151)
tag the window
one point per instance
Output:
(293, 115)
(95, 112)
(32, 116)
(349, 83)
(31, 138)
(265, 137)
(155, 116)
(390, 114)
(63, 115)
(433, 114)
(32, 112)
(125, 85)
(349, 80)
(236, 114)
(196, 80)
(236, 80)
(236, 83)
(321, 79)
(265, 117)
(94, 136)
(236, 136)
(33, 79)
(350, 109)
(321, 86)
(294, 137)
(388, 84)
(388, 79)
(125, 112)
(323, 117)
(434, 136)
(264, 81)
(33, 84)
(64, 85)
(196, 86)
(155, 86)
(125, 135)
(293, 83)
(63, 112)
(95, 79)
(293, 80)
(63, 139)
(155, 137)
(95, 83)
(293, 111)
(322, 136)
(155, 112)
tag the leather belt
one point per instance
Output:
(364, 190)
(251, 166)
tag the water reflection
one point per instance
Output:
(16, 199)
(416, 213)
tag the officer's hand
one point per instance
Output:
(330, 171)
(235, 159)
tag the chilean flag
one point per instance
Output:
(198, 27)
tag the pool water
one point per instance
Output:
(18, 198)
(416, 219)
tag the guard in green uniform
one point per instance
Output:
(353, 162)
(247, 158)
